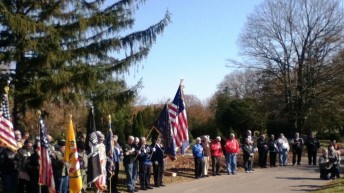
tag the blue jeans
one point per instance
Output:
(283, 157)
(62, 184)
(231, 162)
(131, 173)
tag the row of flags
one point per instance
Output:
(172, 125)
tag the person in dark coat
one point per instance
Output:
(248, 156)
(312, 145)
(9, 171)
(262, 151)
(272, 144)
(297, 146)
(158, 162)
(145, 164)
(33, 170)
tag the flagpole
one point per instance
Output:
(39, 128)
(111, 153)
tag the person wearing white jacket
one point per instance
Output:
(283, 149)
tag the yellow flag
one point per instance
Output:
(71, 156)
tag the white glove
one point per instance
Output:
(156, 163)
(153, 149)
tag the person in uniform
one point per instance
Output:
(158, 162)
(24, 154)
(60, 168)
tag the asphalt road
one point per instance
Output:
(301, 178)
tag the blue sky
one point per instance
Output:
(195, 46)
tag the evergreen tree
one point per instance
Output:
(64, 50)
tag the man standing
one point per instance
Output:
(83, 164)
(117, 152)
(272, 150)
(206, 150)
(216, 154)
(9, 170)
(232, 149)
(24, 154)
(248, 156)
(158, 163)
(283, 149)
(18, 137)
(262, 151)
(197, 152)
(128, 161)
(297, 145)
(144, 164)
(60, 168)
(312, 145)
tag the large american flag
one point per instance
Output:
(7, 138)
(178, 118)
(45, 168)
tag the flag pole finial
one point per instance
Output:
(109, 118)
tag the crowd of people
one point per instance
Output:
(276, 149)
(20, 170)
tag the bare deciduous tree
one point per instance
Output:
(294, 42)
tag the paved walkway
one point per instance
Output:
(275, 180)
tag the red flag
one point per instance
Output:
(45, 169)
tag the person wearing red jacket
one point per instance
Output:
(232, 150)
(216, 154)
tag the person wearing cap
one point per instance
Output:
(24, 154)
(216, 154)
(158, 162)
(60, 168)
(198, 154)
(232, 150)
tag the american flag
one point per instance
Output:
(7, 138)
(45, 168)
(178, 118)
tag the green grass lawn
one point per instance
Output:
(333, 186)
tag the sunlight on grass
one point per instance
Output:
(333, 186)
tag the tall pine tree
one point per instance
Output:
(64, 50)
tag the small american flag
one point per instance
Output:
(45, 168)
(178, 118)
(7, 138)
